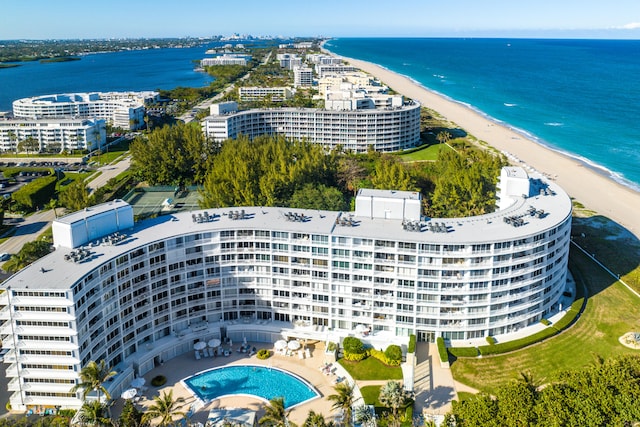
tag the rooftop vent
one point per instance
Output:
(295, 217)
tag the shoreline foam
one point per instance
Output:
(596, 187)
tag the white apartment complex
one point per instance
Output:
(137, 295)
(255, 93)
(324, 69)
(302, 76)
(226, 59)
(121, 109)
(289, 60)
(388, 129)
(65, 134)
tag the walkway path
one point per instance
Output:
(434, 387)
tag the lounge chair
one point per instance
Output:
(300, 354)
(307, 353)
(197, 354)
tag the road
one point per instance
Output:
(109, 171)
(204, 105)
(26, 230)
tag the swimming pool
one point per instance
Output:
(259, 381)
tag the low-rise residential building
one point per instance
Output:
(58, 134)
(254, 93)
(226, 59)
(324, 69)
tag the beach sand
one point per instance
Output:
(585, 184)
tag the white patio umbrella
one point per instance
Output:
(280, 345)
(361, 328)
(214, 342)
(137, 382)
(129, 393)
(200, 345)
(293, 345)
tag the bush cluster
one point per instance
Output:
(263, 353)
(545, 322)
(491, 340)
(353, 345)
(411, 348)
(382, 356)
(158, 380)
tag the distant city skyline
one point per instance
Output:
(73, 19)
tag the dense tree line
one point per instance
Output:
(604, 394)
(30, 50)
(276, 171)
(265, 171)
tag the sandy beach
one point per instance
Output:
(585, 184)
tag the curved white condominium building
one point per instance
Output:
(120, 109)
(384, 129)
(137, 295)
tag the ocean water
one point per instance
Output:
(580, 97)
(149, 69)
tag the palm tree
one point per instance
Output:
(443, 137)
(12, 140)
(393, 396)
(275, 414)
(314, 419)
(94, 413)
(343, 399)
(164, 407)
(363, 415)
(92, 377)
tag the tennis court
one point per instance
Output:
(150, 201)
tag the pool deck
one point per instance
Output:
(186, 365)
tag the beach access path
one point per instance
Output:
(584, 183)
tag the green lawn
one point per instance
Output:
(611, 311)
(370, 394)
(371, 369)
(428, 153)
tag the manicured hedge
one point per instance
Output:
(36, 193)
(411, 348)
(442, 350)
(505, 347)
(464, 351)
(571, 315)
(11, 171)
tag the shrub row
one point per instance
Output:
(442, 350)
(381, 356)
(36, 193)
(355, 357)
(11, 171)
(508, 346)
(411, 348)
(464, 351)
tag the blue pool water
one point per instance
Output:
(258, 381)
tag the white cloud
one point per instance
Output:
(630, 26)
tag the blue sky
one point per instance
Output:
(48, 19)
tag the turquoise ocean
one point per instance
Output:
(579, 97)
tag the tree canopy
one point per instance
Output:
(265, 171)
(172, 155)
(604, 394)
